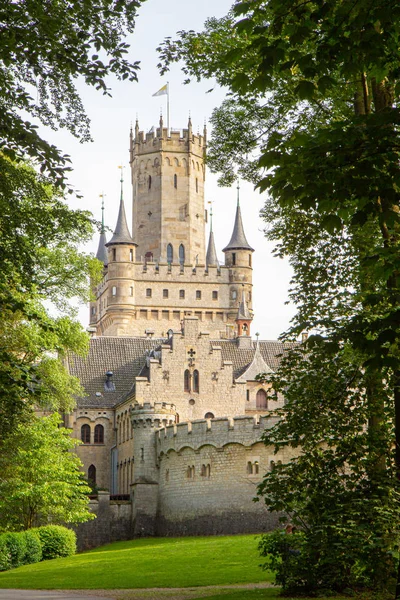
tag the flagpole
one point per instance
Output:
(168, 108)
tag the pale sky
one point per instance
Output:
(96, 164)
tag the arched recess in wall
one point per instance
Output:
(182, 254)
(170, 253)
(186, 381)
(85, 434)
(209, 415)
(92, 475)
(196, 381)
(99, 434)
(261, 399)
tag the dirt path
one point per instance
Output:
(169, 593)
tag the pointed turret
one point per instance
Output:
(238, 240)
(244, 317)
(211, 257)
(256, 367)
(121, 232)
(102, 250)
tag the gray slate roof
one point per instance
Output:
(102, 250)
(126, 358)
(238, 239)
(211, 257)
(121, 233)
(257, 366)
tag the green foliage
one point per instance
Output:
(33, 552)
(57, 541)
(44, 50)
(316, 87)
(40, 476)
(5, 557)
(16, 546)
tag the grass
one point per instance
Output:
(260, 594)
(147, 563)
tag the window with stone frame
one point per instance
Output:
(92, 475)
(198, 294)
(99, 434)
(85, 434)
(148, 293)
(186, 381)
(261, 399)
(182, 294)
(196, 381)
(165, 293)
(215, 295)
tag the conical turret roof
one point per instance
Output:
(101, 253)
(211, 257)
(256, 367)
(121, 232)
(243, 310)
(238, 240)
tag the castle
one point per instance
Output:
(173, 412)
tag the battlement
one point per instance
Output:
(163, 270)
(159, 414)
(159, 139)
(244, 430)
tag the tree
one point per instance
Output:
(45, 48)
(41, 479)
(41, 271)
(315, 86)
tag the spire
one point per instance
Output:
(211, 256)
(121, 232)
(101, 253)
(256, 367)
(137, 130)
(190, 130)
(238, 240)
(243, 310)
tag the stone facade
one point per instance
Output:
(173, 415)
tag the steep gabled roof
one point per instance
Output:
(257, 366)
(121, 232)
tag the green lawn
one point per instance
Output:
(149, 562)
(263, 594)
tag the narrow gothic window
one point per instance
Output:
(249, 468)
(170, 253)
(256, 468)
(186, 381)
(85, 434)
(234, 258)
(249, 260)
(182, 254)
(114, 290)
(261, 399)
(175, 181)
(114, 254)
(131, 291)
(248, 395)
(92, 475)
(131, 255)
(149, 182)
(197, 185)
(99, 434)
(196, 382)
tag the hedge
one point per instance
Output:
(34, 545)
(57, 541)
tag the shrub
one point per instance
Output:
(5, 557)
(17, 547)
(56, 541)
(33, 552)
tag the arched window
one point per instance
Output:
(186, 381)
(131, 255)
(209, 415)
(261, 399)
(149, 182)
(92, 475)
(196, 381)
(249, 468)
(175, 181)
(182, 254)
(99, 434)
(197, 185)
(85, 434)
(170, 253)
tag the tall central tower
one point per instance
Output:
(168, 175)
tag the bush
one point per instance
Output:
(57, 541)
(16, 545)
(33, 552)
(5, 557)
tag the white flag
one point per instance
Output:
(162, 91)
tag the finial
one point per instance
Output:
(102, 196)
(211, 214)
(238, 192)
(122, 180)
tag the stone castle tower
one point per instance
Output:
(163, 273)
